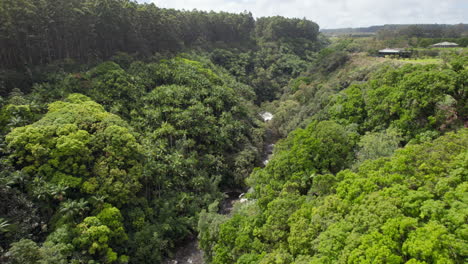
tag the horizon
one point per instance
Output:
(401, 24)
(336, 14)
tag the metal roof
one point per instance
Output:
(446, 44)
(391, 50)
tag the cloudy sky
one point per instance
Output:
(339, 13)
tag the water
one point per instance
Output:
(267, 116)
(268, 152)
(268, 149)
(190, 253)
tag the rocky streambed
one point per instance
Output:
(190, 253)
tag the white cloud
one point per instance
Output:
(339, 13)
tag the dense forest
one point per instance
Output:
(341, 191)
(124, 127)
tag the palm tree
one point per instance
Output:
(59, 192)
(98, 201)
(16, 121)
(18, 178)
(3, 146)
(4, 225)
(41, 191)
(71, 209)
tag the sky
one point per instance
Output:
(339, 13)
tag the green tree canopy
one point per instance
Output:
(78, 144)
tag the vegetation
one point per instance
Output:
(105, 184)
(424, 61)
(407, 208)
(123, 125)
(70, 35)
(428, 32)
(342, 189)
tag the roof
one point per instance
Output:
(446, 44)
(391, 50)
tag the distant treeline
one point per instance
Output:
(426, 42)
(39, 32)
(347, 31)
(421, 30)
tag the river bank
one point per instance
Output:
(190, 253)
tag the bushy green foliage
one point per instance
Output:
(121, 161)
(276, 28)
(16, 111)
(107, 184)
(201, 116)
(299, 36)
(24, 251)
(95, 30)
(409, 207)
(378, 144)
(97, 233)
(413, 99)
(304, 101)
(321, 148)
(340, 191)
(79, 145)
(268, 69)
(329, 59)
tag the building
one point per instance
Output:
(395, 52)
(445, 45)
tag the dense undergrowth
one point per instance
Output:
(108, 157)
(116, 146)
(341, 190)
(126, 174)
(406, 208)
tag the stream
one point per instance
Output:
(189, 253)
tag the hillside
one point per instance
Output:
(425, 30)
(131, 133)
(359, 177)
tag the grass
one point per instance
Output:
(422, 60)
(459, 49)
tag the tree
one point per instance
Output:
(376, 145)
(389, 210)
(100, 235)
(79, 145)
(70, 209)
(24, 251)
(3, 225)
